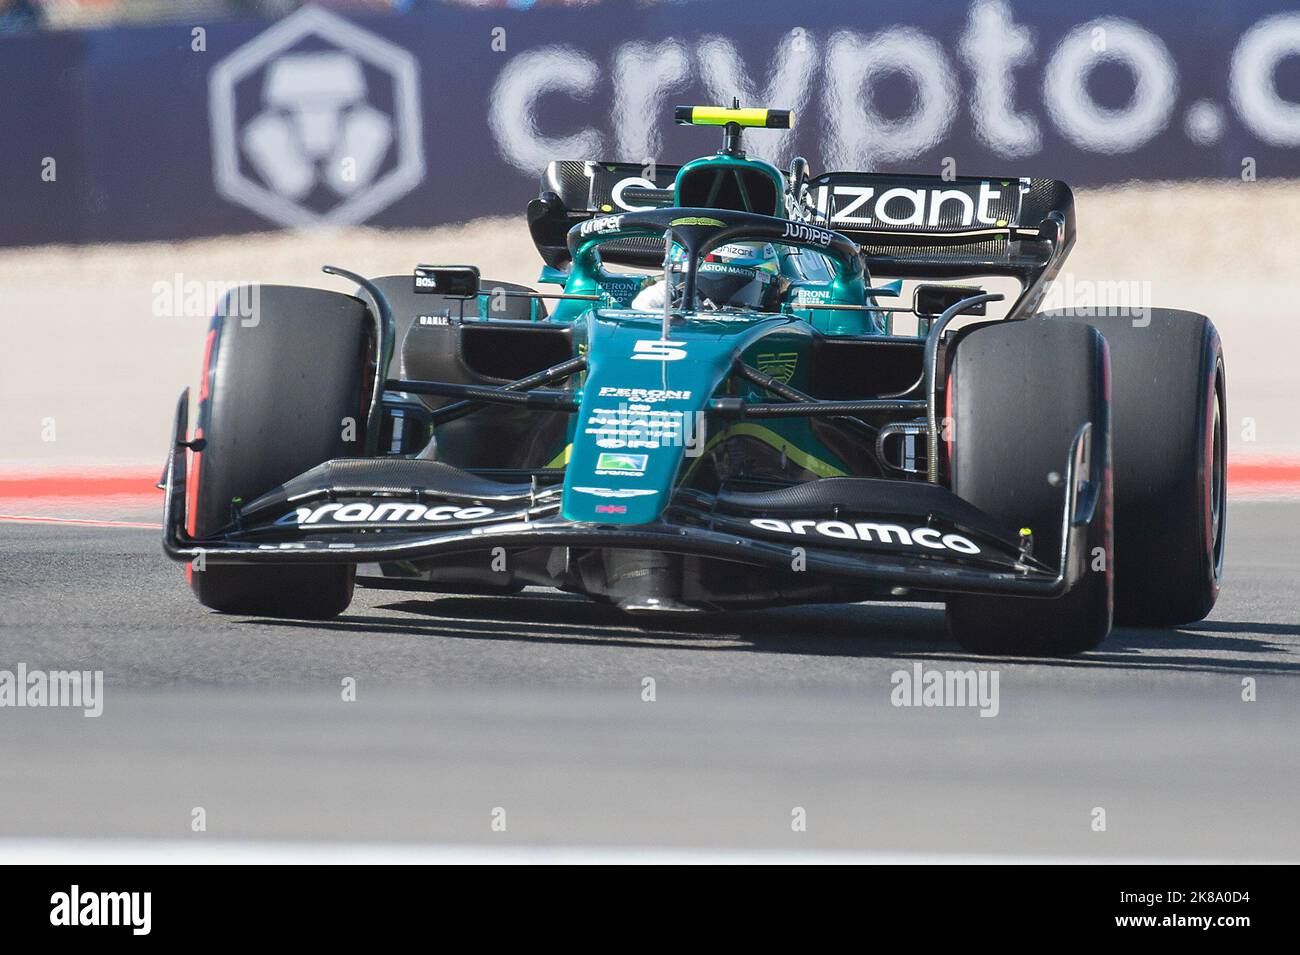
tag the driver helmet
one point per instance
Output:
(741, 275)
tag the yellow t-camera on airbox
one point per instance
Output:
(723, 115)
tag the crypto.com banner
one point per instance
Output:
(450, 113)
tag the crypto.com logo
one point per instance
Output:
(296, 132)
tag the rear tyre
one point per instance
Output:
(1170, 414)
(1017, 394)
(275, 400)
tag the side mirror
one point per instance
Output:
(456, 281)
(931, 301)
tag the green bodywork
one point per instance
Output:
(642, 399)
(638, 432)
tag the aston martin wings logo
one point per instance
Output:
(616, 491)
(779, 365)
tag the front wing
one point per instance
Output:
(916, 537)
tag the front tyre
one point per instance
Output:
(282, 391)
(1017, 394)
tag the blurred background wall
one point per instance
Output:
(153, 151)
(203, 117)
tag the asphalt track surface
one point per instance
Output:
(533, 705)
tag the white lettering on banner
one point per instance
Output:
(1253, 79)
(846, 69)
(1087, 123)
(858, 135)
(789, 83)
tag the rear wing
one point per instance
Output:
(575, 190)
(912, 226)
(907, 226)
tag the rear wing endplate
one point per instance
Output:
(575, 190)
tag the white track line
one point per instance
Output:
(36, 519)
(217, 852)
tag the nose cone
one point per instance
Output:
(628, 448)
(641, 415)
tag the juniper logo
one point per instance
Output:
(922, 687)
(316, 121)
(806, 233)
(75, 907)
(79, 689)
(601, 225)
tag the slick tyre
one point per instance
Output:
(1169, 413)
(1017, 394)
(277, 396)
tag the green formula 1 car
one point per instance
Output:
(714, 408)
